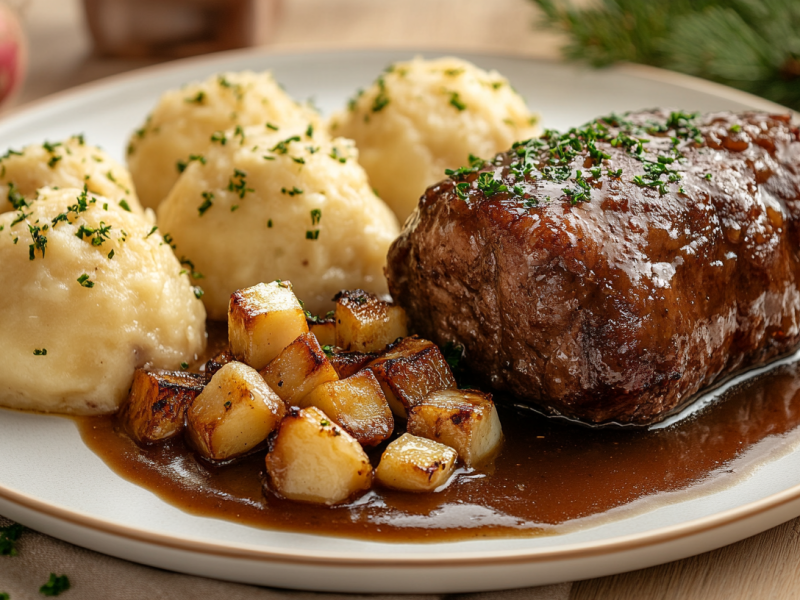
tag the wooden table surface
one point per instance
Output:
(764, 566)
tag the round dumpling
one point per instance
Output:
(423, 116)
(71, 163)
(286, 204)
(184, 120)
(91, 292)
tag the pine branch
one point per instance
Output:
(753, 45)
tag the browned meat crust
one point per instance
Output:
(610, 273)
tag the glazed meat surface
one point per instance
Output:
(610, 273)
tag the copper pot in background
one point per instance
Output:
(177, 28)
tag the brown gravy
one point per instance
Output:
(548, 474)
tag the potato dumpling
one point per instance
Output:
(366, 324)
(286, 204)
(411, 370)
(90, 292)
(180, 127)
(157, 403)
(234, 413)
(298, 369)
(357, 404)
(70, 163)
(314, 460)
(415, 464)
(262, 321)
(465, 420)
(424, 116)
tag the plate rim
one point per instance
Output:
(607, 546)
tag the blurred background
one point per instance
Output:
(754, 45)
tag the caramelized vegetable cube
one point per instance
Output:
(157, 403)
(262, 321)
(314, 460)
(297, 370)
(234, 414)
(415, 464)
(215, 363)
(366, 324)
(465, 420)
(350, 363)
(411, 370)
(324, 330)
(357, 404)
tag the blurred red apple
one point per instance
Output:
(13, 55)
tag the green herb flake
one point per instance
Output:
(219, 136)
(456, 102)
(184, 366)
(708, 176)
(316, 216)
(269, 223)
(238, 183)
(55, 586)
(198, 98)
(198, 291)
(152, 231)
(291, 192)
(85, 281)
(9, 536)
(282, 147)
(310, 130)
(299, 160)
(272, 127)
(53, 161)
(207, 203)
(312, 235)
(735, 128)
(125, 206)
(40, 352)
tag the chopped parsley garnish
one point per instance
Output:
(312, 235)
(124, 205)
(580, 193)
(184, 365)
(20, 218)
(299, 160)
(198, 98)
(8, 539)
(272, 127)
(269, 223)
(111, 254)
(238, 184)
(453, 354)
(291, 192)
(489, 185)
(40, 352)
(53, 161)
(316, 216)
(97, 234)
(735, 128)
(310, 130)
(708, 176)
(198, 291)
(85, 281)
(282, 147)
(55, 586)
(39, 240)
(207, 202)
(219, 136)
(50, 147)
(455, 101)
(328, 350)
(325, 423)
(152, 231)
(381, 100)
(239, 132)
(15, 198)
(192, 271)
(336, 156)
(182, 164)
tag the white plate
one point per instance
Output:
(51, 482)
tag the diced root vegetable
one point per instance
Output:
(350, 363)
(324, 331)
(157, 403)
(411, 370)
(262, 321)
(357, 404)
(234, 414)
(465, 420)
(415, 464)
(314, 460)
(366, 324)
(298, 369)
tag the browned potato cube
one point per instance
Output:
(324, 330)
(312, 459)
(215, 363)
(415, 464)
(297, 370)
(462, 419)
(366, 324)
(157, 403)
(357, 404)
(350, 363)
(234, 414)
(262, 321)
(410, 371)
